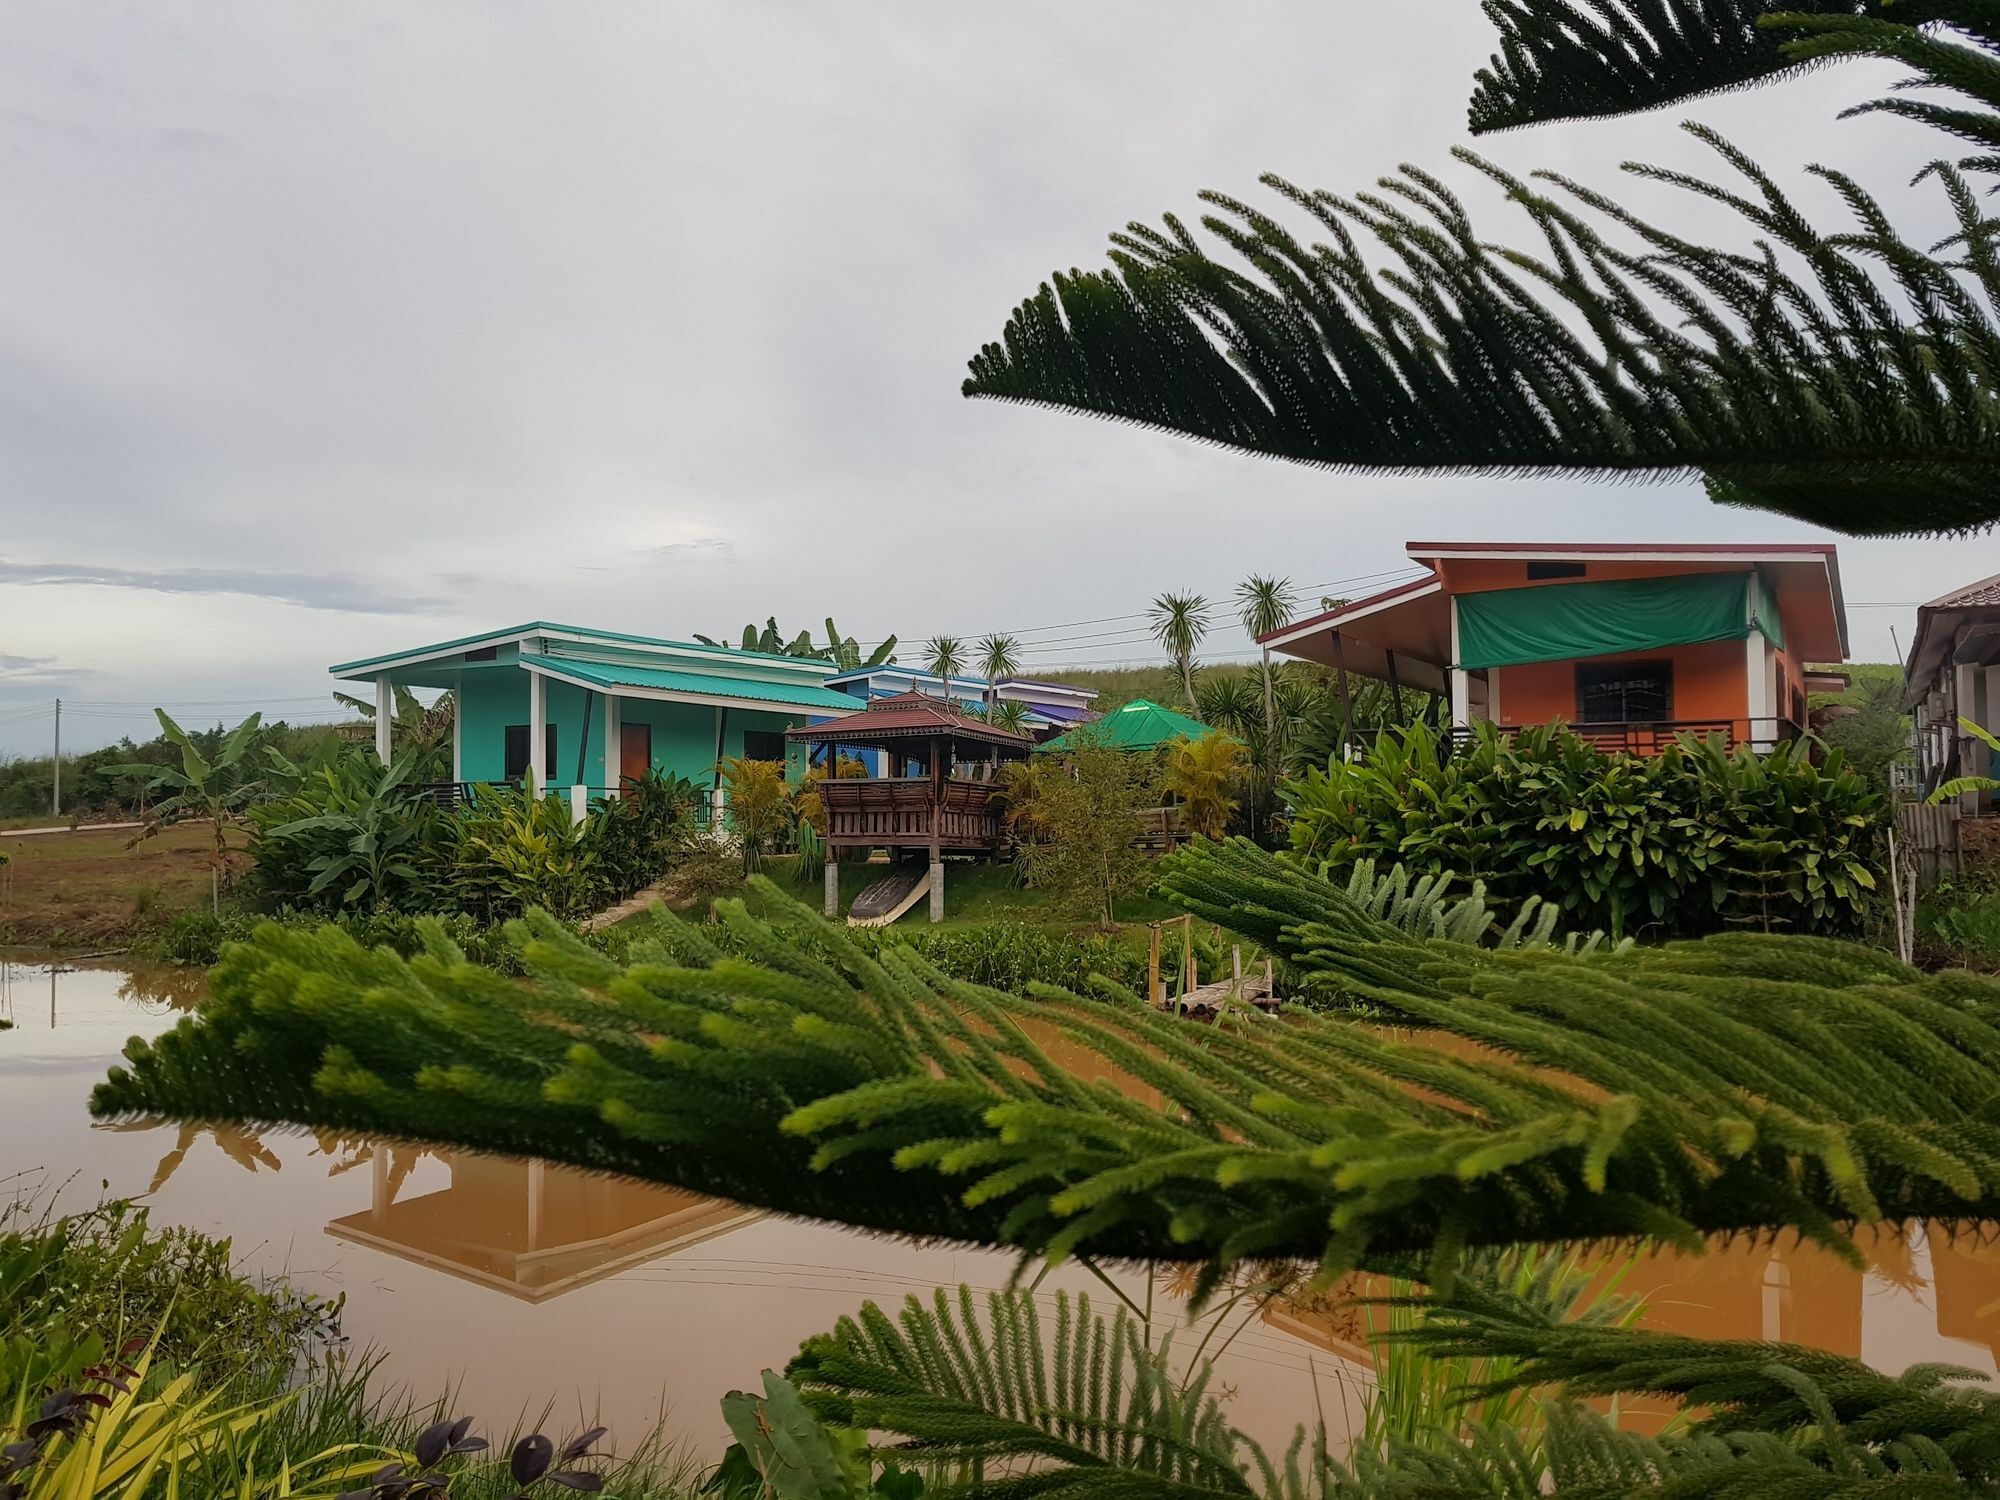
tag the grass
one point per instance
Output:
(974, 895)
(87, 889)
(85, 1284)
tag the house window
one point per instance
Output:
(1624, 692)
(516, 738)
(1540, 571)
(763, 744)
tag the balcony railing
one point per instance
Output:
(1651, 736)
(903, 811)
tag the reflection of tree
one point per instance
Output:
(245, 1146)
(175, 988)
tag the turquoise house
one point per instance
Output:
(576, 711)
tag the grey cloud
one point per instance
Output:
(331, 591)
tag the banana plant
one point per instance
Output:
(842, 650)
(1958, 786)
(201, 790)
(381, 832)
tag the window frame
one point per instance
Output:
(1662, 667)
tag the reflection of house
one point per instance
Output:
(1631, 644)
(546, 702)
(532, 1230)
(1954, 673)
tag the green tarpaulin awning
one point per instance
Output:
(1555, 622)
(1139, 725)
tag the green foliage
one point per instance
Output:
(1626, 843)
(760, 805)
(356, 830)
(1081, 819)
(1959, 786)
(74, 1287)
(1094, 1408)
(1179, 622)
(1673, 1092)
(843, 651)
(1421, 906)
(203, 788)
(513, 851)
(1781, 367)
(1866, 724)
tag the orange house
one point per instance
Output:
(1632, 644)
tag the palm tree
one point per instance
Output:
(999, 656)
(944, 656)
(1009, 715)
(1179, 621)
(1203, 774)
(1264, 605)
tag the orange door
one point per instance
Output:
(635, 751)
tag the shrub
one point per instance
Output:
(1677, 844)
(1081, 822)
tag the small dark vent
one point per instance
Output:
(1537, 571)
(483, 653)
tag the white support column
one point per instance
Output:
(1493, 694)
(613, 752)
(1461, 686)
(1758, 691)
(458, 728)
(715, 804)
(385, 718)
(579, 802)
(538, 737)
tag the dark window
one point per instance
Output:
(1537, 571)
(516, 739)
(763, 744)
(484, 653)
(1625, 692)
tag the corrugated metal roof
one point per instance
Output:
(585, 632)
(694, 684)
(910, 715)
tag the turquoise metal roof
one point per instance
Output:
(703, 684)
(511, 632)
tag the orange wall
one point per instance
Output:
(1709, 683)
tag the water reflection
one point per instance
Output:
(669, 1295)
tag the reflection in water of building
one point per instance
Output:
(536, 1232)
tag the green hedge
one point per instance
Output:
(1685, 842)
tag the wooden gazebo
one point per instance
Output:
(931, 806)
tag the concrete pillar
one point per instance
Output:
(538, 737)
(385, 718)
(937, 889)
(1461, 685)
(833, 887)
(1759, 686)
(614, 749)
(579, 803)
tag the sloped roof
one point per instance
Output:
(1973, 596)
(908, 716)
(701, 685)
(1139, 725)
(582, 633)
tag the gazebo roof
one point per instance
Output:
(1139, 725)
(908, 716)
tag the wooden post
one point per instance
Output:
(1155, 995)
(1346, 700)
(937, 816)
(1187, 957)
(832, 884)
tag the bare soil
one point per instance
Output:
(88, 889)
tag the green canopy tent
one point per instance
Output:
(1140, 725)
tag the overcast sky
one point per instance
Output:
(328, 329)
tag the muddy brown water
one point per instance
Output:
(522, 1282)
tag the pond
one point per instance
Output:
(522, 1282)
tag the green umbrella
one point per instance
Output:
(1139, 725)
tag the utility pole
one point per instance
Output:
(57, 797)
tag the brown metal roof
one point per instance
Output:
(908, 716)
(1972, 596)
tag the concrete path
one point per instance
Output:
(631, 906)
(29, 833)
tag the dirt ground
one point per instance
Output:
(86, 889)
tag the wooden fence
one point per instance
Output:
(1927, 837)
